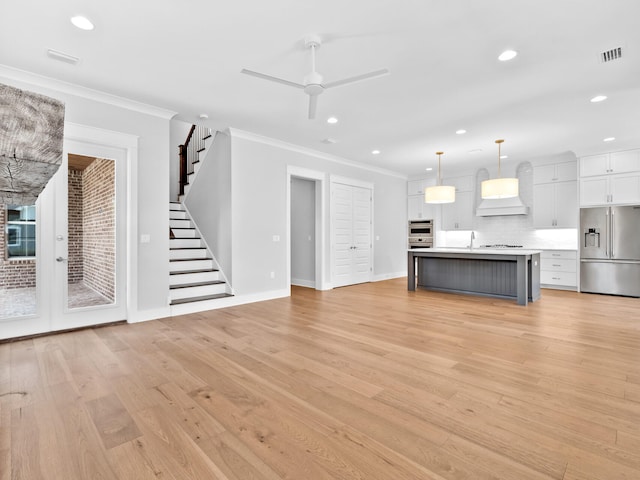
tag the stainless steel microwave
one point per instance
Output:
(420, 228)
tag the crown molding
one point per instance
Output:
(16, 74)
(254, 137)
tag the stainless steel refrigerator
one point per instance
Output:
(610, 250)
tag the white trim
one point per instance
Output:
(300, 282)
(388, 276)
(186, 308)
(84, 92)
(254, 137)
(146, 315)
(320, 222)
(351, 181)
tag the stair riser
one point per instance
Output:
(180, 223)
(189, 292)
(198, 277)
(191, 265)
(188, 253)
(184, 233)
(173, 215)
(185, 243)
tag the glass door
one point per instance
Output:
(90, 237)
(63, 262)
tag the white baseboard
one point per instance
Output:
(303, 283)
(388, 276)
(146, 315)
(186, 308)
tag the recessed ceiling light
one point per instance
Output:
(83, 23)
(332, 120)
(375, 152)
(428, 169)
(462, 131)
(474, 151)
(507, 55)
(598, 98)
(609, 139)
(203, 116)
(504, 156)
(329, 141)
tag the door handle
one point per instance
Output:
(60, 259)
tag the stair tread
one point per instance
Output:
(197, 284)
(204, 270)
(188, 259)
(187, 248)
(201, 299)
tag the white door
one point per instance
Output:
(90, 237)
(351, 213)
(77, 275)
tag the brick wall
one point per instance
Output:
(99, 227)
(14, 273)
(75, 261)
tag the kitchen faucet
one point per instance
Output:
(473, 236)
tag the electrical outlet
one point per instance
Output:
(273, 274)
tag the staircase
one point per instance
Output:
(194, 276)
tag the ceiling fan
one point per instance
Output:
(313, 84)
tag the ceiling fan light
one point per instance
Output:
(500, 188)
(440, 194)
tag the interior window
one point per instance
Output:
(21, 231)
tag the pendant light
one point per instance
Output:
(440, 193)
(500, 187)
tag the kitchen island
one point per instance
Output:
(503, 273)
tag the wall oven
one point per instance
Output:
(421, 233)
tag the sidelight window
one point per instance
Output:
(20, 231)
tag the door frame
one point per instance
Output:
(319, 178)
(100, 138)
(352, 182)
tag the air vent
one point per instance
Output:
(63, 57)
(611, 55)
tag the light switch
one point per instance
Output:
(145, 238)
(276, 238)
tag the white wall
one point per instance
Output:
(152, 172)
(209, 201)
(259, 188)
(303, 232)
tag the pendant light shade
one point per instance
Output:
(440, 193)
(499, 187)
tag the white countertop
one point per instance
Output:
(480, 251)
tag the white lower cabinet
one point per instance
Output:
(558, 269)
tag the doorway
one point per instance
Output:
(306, 217)
(78, 265)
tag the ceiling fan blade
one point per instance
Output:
(273, 79)
(313, 104)
(357, 78)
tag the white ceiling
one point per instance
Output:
(442, 55)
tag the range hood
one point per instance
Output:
(501, 206)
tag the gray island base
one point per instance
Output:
(501, 273)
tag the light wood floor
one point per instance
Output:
(363, 382)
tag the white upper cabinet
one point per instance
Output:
(458, 215)
(555, 205)
(462, 184)
(609, 163)
(558, 172)
(610, 179)
(416, 208)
